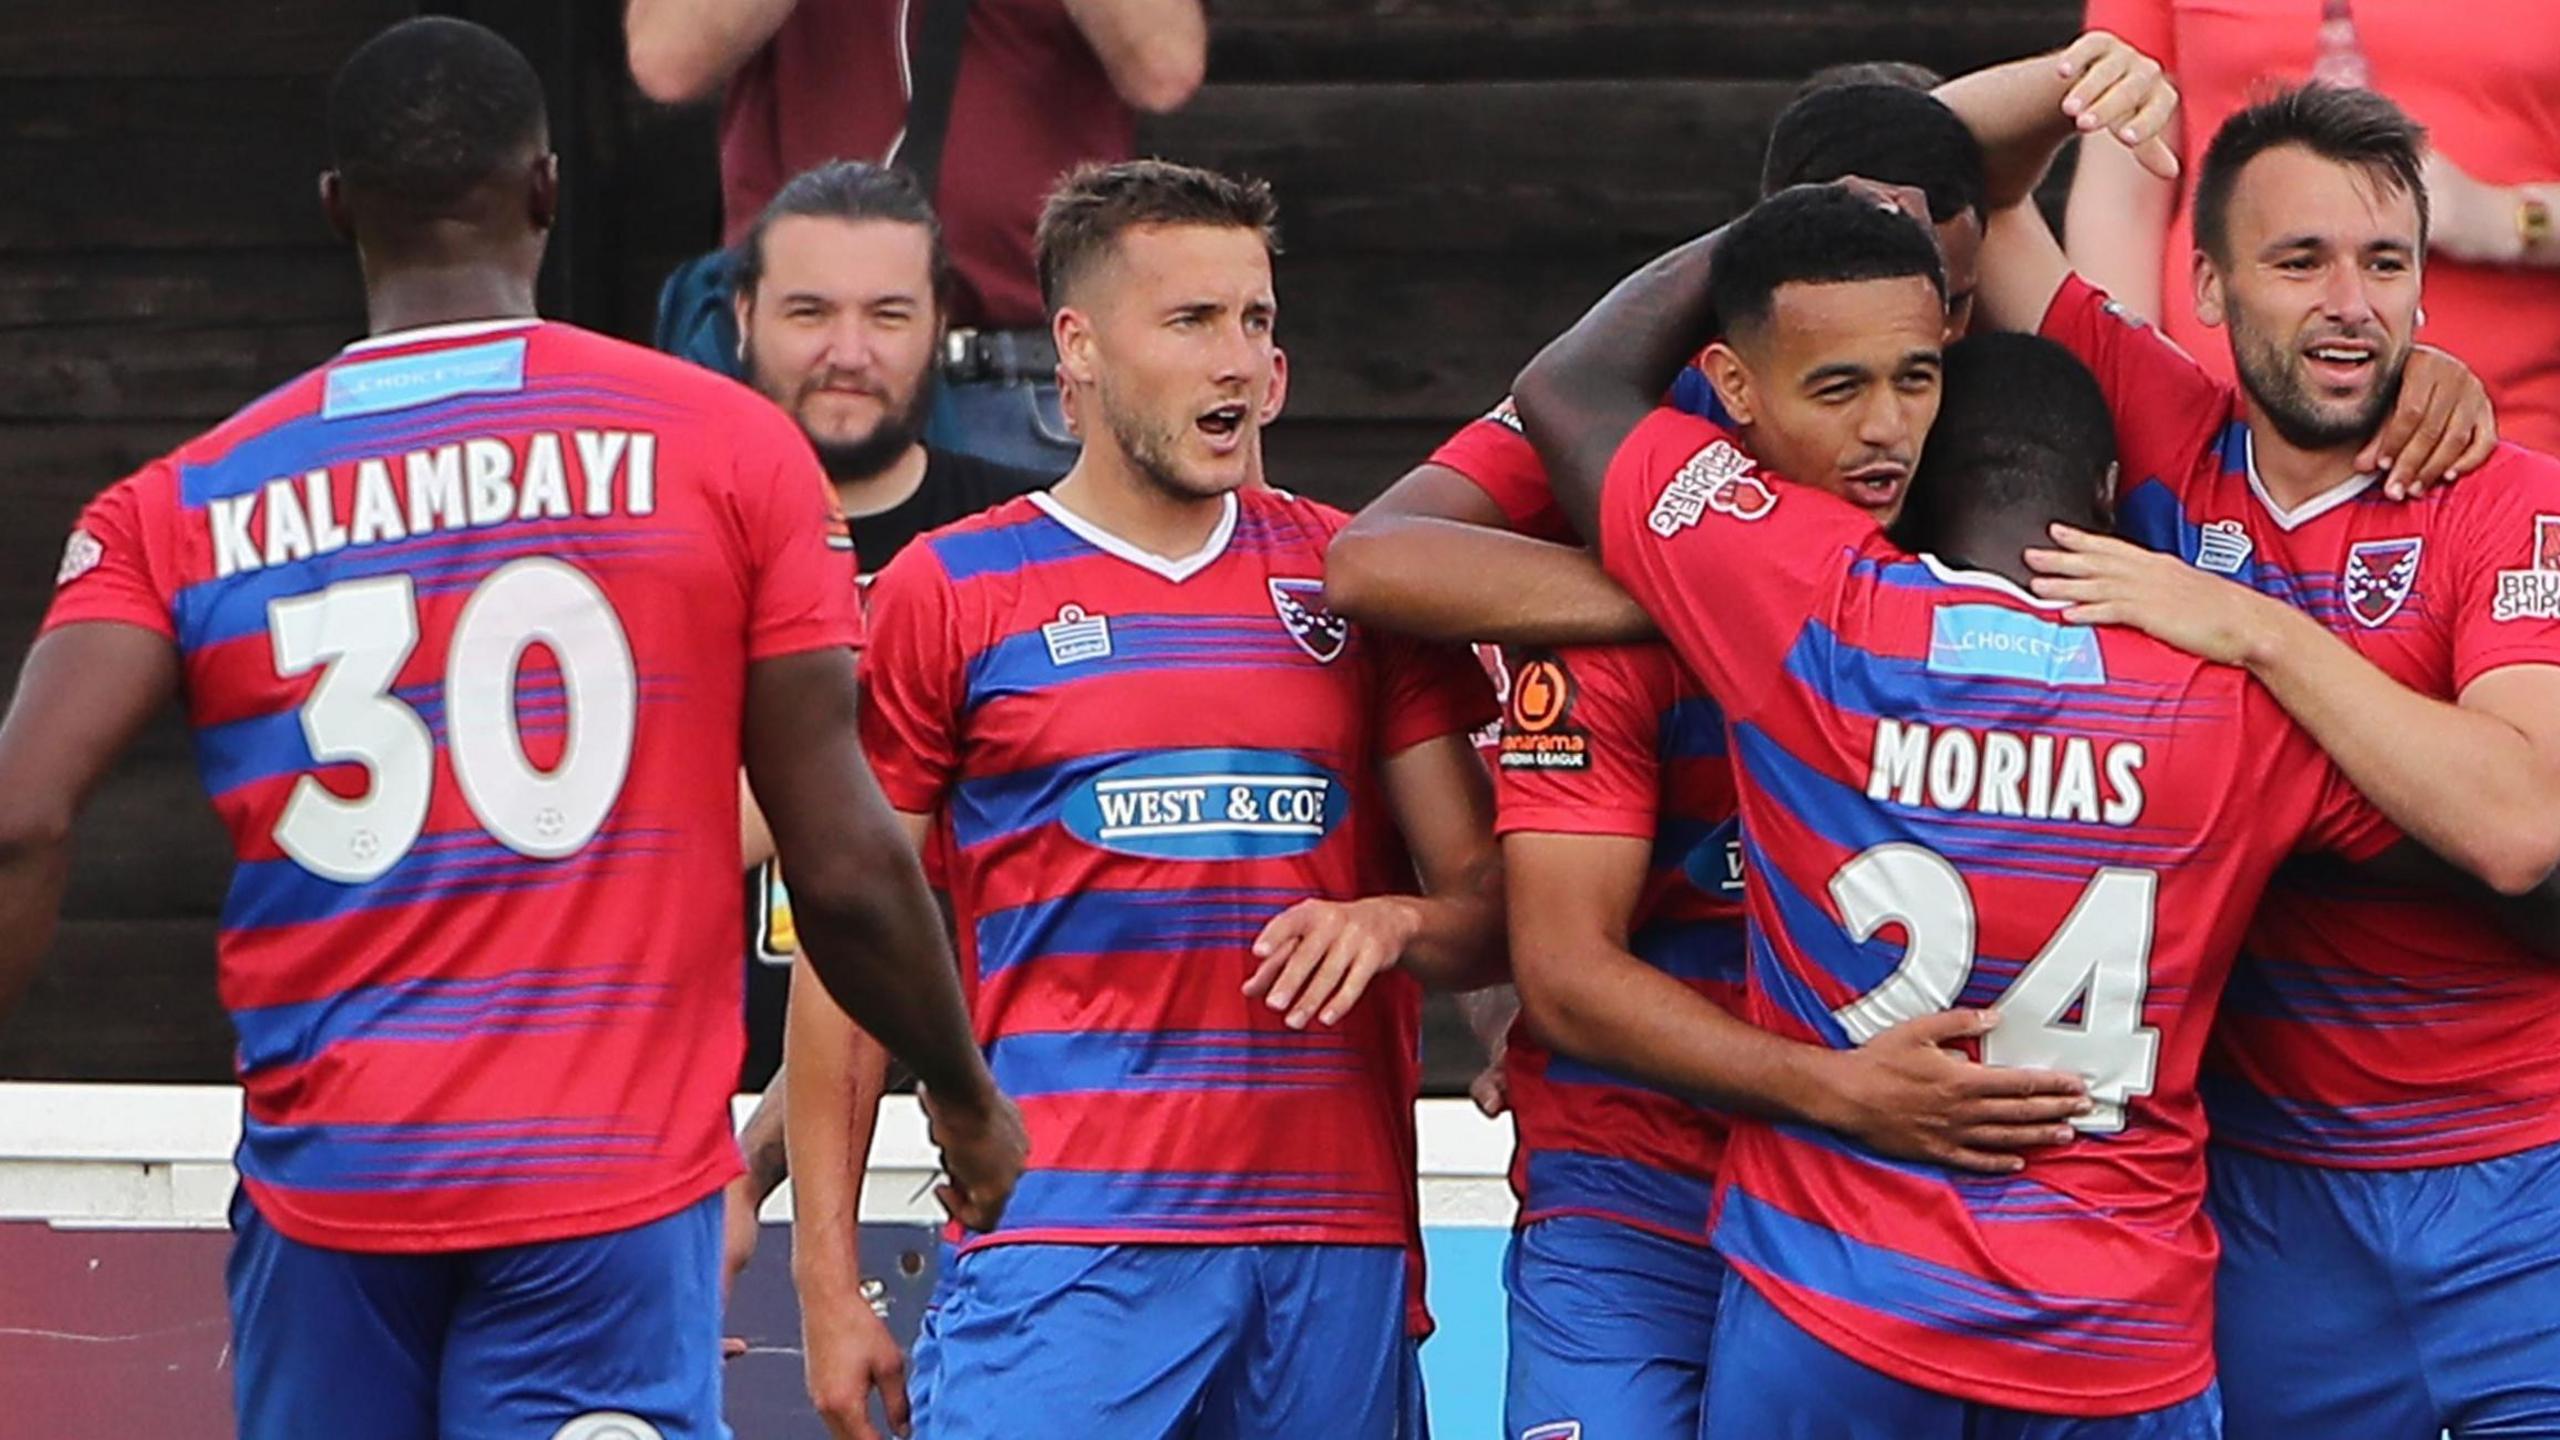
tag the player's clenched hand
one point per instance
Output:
(2120, 90)
(1318, 956)
(984, 1148)
(2442, 428)
(1905, 1094)
(851, 1354)
(2112, 582)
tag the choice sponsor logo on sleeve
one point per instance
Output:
(2533, 593)
(1719, 478)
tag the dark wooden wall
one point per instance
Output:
(1458, 179)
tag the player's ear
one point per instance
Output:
(542, 193)
(2210, 300)
(333, 205)
(1073, 332)
(1732, 381)
(1279, 394)
(2107, 493)
(742, 308)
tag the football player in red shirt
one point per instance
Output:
(474, 624)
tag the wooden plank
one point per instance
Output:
(111, 372)
(142, 291)
(1479, 168)
(186, 38)
(117, 164)
(1336, 40)
(122, 1000)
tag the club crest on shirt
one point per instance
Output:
(2380, 574)
(1318, 631)
(1719, 478)
(79, 557)
(2533, 593)
(2224, 547)
(1075, 637)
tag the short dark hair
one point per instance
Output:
(1087, 212)
(1910, 75)
(1814, 235)
(851, 190)
(2021, 425)
(2336, 122)
(425, 112)
(1891, 133)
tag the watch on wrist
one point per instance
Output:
(2533, 222)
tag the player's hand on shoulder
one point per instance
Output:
(1318, 956)
(984, 1147)
(1905, 1093)
(851, 1356)
(2120, 90)
(2114, 582)
(2441, 428)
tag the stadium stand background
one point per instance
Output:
(1459, 178)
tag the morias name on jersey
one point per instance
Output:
(2035, 774)
(464, 484)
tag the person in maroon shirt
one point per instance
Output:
(1042, 86)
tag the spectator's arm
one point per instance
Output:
(682, 50)
(2483, 224)
(1155, 51)
(2116, 227)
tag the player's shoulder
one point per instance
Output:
(1271, 514)
(999, 538)
(2513, 480)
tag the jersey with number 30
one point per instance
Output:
(1949, 797)
(465, 617)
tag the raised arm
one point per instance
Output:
(85, 692)
(1155, 51)
(2115, 226)
(1594, 383)
(682, 50)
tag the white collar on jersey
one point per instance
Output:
(2311, 509)
(1103, 540)
(459, 330)
(1984, 580)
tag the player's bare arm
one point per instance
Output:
(1155, 51)
(85, 692)
(868, 925)
(1594, 383)
(840, 1074)
(1903, 1093)
(682, 50)
(1434, 557)
(1318, 957)
(2478, 780)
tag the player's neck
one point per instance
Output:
(2291, 475)
(1997, 546)
(885, 489)
(1107, 491)
(412, 295)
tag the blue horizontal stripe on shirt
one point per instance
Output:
(1021, 665)
(1098, 1062)
(1186, 1200)
(1692, 729)
(435, 1156)
(1630, 1189)
(1001, 549)
(1812, 1256)
(1698, 951)
(438, 1012)
(1112, 922)
(992, 807)
(2243, 1114)
(447, 867)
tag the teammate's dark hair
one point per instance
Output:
(2352, 127)
(1905, 73)
(1887, 132)
(421, 114)
(852, 190)
(1814, 235)
(1086, 214)
(2021, 426)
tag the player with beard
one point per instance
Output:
(1182, 806)
(840, 318)
(2385, 1095)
